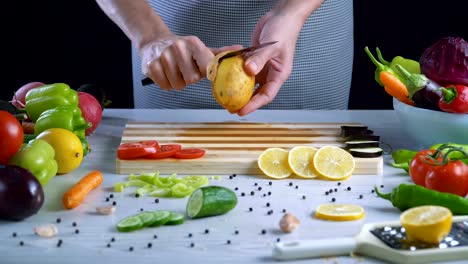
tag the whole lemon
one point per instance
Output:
(231, 86)
(67, 146)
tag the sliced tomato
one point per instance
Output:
(132, 150)
(189, 153)
(164, 151)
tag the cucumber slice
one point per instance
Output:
(130, 223)
(366, 152)
(147, 218)
(210, 201)
(175, 219)
(160, 217)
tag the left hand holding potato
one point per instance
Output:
(271, 65)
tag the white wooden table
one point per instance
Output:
(172, 244)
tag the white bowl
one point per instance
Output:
(428, 127)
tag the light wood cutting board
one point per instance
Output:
(232, 147)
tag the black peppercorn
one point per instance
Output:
(259, 188)
(237, 188)
(250, 209)
(303, 197)
(290, 184)
(192, 244)
(228, 242)
(114, 203)
(155, 236)
(74, 224)
(108, 245)
(190, 235)
(77, 231)
(150, 245)
(333, 199)
(131, 248)
(360, 196)
(269, 193)
(284, 210)
(267, 204)
(156, 200)
(137, 195)
(58, 220)
(242, 194)
(111, 195)
(255, 184)
(349, 188)
(107, 199)
(14, 234)
(113, 239)
(207, 231)
(236, 232)
(21, 243)
(252, 193)
(270, 183)
(339, 183)
(263, 231)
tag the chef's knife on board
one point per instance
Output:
(148, 81)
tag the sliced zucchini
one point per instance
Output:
(366, 152)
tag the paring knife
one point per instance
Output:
(148, 81)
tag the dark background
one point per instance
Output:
(75, 43)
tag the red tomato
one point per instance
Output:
(420, 166)
(133, 150)
(165, 151)
(11, 136)
(189, 153)
(450, 178)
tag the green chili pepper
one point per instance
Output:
(37, 156)
(66, 116)
(380, 68)
(47, 97)
(410, 65)
(407, 196)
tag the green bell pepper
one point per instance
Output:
(47, 97)
(38, 157)
(410, 65)
(66, 116)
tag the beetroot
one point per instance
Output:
(91, 110)
(18, 98)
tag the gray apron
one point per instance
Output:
(321, 74)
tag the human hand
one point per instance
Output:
(271, 65)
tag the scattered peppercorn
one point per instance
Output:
(255, 184)
(349, 188)
(59, 243)
(230, 177)
(74, 224)
(137, 195)
(150, 245)
(108, 245)
(141, 209)
(250, 209)
(155, 236)
(284, 210)
(130, 248)
(259, 188)
(270, 183)
(207, 231)
(381, 186)
(107, 199)
(192, 244)
(190, 235)
(236, 232)
(242, 194)
(77, 231)
(372, 191)
(330, 191)
(237, 188)
(113, 239)
(290, 184)
(156, 200)
(326, 193)
(360, 196)
(234, 175)
(269, 193)
(228, 242)
(263, 231)
(114, 203)
(264, 194)
(267, 204)
(14, 234)
(58, 220)
(111, 195)
(278, 239)
(21, 243)
(252, 193)
(339, 183)
(335, 189)
(333, 199)
(297, 187)
(303, 197)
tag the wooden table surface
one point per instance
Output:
(172, 244)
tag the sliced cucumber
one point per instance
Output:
(130, 223)
(210, 201)
(160, 217)
(175, 219)
(366, 152)
(147, 218)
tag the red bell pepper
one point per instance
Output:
(454, 99)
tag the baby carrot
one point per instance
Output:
(395, 87)
(76, 194)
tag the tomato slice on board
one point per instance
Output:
(189, 153)
(131, 150)
(164, 151)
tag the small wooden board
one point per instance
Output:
(232, 147)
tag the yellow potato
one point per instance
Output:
(232, 87)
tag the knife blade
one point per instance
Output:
(148, 81)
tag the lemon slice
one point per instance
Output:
(333, 163)
(428, 223)
(273, 162)
(300, 160)
(339, 212)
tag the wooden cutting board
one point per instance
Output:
(232, 147)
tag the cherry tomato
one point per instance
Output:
(189, 153)
(164, 151)
(131, 150)
(420, 166)
(11, 136)
(450, 178)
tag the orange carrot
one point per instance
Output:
(76, 194)
(28, 127)
(395, 87)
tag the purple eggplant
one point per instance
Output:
(424, 92)
(21, 194)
